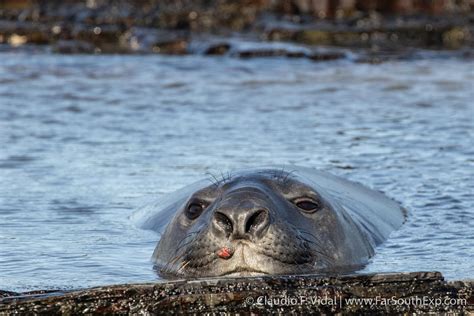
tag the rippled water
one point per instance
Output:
(87, 139)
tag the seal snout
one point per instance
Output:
(241, 223)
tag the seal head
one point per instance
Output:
(269, 221)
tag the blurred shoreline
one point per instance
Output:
(319, 30)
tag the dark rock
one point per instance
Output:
(218, 49)
(8, 294)
(290, 51)
(252, 53)
(173, 47)
(326, 55)
(255, 49)
(400, 293)
(295, 54)
(73, 47)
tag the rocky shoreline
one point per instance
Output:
(264, 28)
(400, 293)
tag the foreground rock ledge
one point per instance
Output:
(417, 292)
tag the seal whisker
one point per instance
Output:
(183, 265)
(308, 233)
(213, 179)
(189, 235)
(288, 174)
(167, 268)
(176, 258)
(279, 174)
(181, 244)
(316, 244)
(316, 249)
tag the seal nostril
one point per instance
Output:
(256, 221)
(223, 222)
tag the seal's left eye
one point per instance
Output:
(194, 210)
(307, 205)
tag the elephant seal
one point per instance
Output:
(289, 220)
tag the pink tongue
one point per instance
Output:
(225, 253)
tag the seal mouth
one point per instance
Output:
(241, 266)
(244, 271)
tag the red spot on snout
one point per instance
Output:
(225, 253)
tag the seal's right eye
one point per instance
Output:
(194, 209)
(307, 205)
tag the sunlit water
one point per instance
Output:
(85, 140)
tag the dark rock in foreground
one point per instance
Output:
(418, 292)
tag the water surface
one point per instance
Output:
(85, 140)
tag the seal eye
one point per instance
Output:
(194, 210)
(307, 205)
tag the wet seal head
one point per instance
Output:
(272, 221)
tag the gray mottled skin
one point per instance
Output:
(255, 214)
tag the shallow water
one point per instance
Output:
(87, 139)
